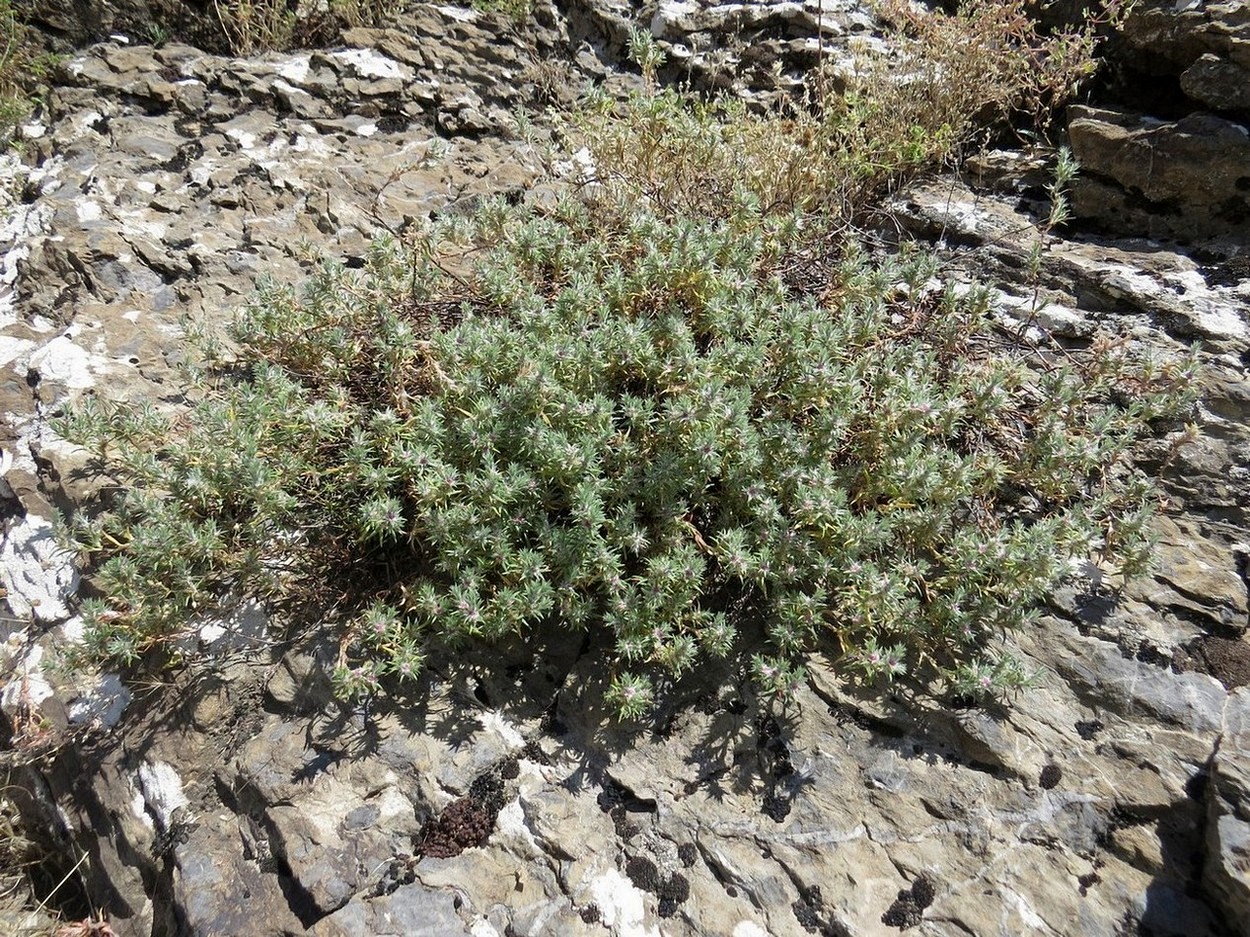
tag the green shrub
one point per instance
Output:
(636, 429)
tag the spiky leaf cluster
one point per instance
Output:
(629, 428)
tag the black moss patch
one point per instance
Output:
(534, 752)
(687, 853)
(392, 124)
(590, 914)
(462, 825)
(1050, 776)
(625, 829)
(775, 807)
(673, 892)
(1147, 653)
(1088, 881)
(643, 873)
(676, 887)
(908, 907)
(1088, 730)
(184, 157)
(1226, 659)
(510, 770)
(1230, 272)
(615, 795)
(810, 912)
(465, 822)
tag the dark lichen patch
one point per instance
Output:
(1050, 776)
(465, 822)
(590, 914)
(510, 770)
(1226, 659)
(1088, 881)
(643, 873)
(534, 752)
(687, 853)
(673, 892)
(1089, 729)
(775, 806)
(908, 908)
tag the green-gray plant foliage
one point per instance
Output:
(634, 428)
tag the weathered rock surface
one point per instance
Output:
(1227, 872)
(1173, 163)
(1111, 798)
(1188, 178)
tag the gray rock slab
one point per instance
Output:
(409, 911)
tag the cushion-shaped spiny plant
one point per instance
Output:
(637, 428)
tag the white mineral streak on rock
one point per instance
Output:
(370, 64)
(37, 575)
(101, 704)
(458, 14)
(27, 688)
(621, 905)
(580, 167)
(162, 791)
(295, 70)
(511, 824)
(749, 929)
(13, 349)
(67, 364)
(241, 626)
(88, 210)
(494, 722)
(1210, 314)
(19, 223)
(246, 140)
(137, 808)
(1030, 917)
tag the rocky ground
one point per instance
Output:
(158, 184)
